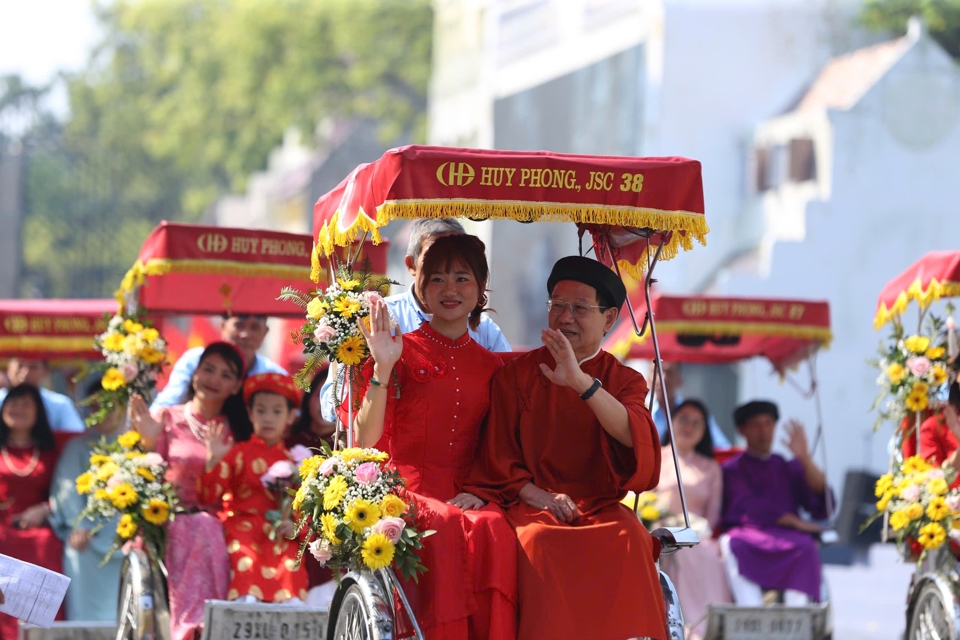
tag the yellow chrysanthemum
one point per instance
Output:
(920, 388)
(377, 551)
(132, 327)
(113, 379)
(146, 474)
(156, 512)
(884, 501)
(350, 454)
(149, 334)
(98, 459)
(123, 495)
(896, 372)
(334, 493)
(299, 498)
(648, 497)
(133, 345)
(360, 515)
(379, 456)
(351, 351)
(309, 467)
(884, 484)
(129, 439)
(348, 285)
(932, 536)
(113, 342)
(328, 524)
(106, 471)
(938, 487)
(392, 506)
(938, 509)
(650, 513)
(917, 344)
(126, 528)
(84, 483)
(935, 353)
(346, 307)
(939, 375)
(899, 520)
(914, 511)
(101, 494)
(917, 401)
(150, 355)
(317, 308)
(915, 464)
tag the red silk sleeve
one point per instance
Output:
(214, 483)
(636, 468)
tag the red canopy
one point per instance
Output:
(637, 194)
(49, 329)
(936, 275)
(186, 269)
(713, 330)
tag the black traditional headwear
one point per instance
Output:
(610, 289)
(758, 407)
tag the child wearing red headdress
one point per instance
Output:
(262, 557)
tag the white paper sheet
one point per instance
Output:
(32, 593)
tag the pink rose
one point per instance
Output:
(936, 473)
(370, 296)
(328, 466)
(267, 479)
(282, 469)
(299, 453)
(320, 549)
(953, 502)
(130, 372)
(324, 334)
(911, 493)
(918, 365)
(366, 473)
(390, 527)
(153, 459)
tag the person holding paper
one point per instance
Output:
(27, 458)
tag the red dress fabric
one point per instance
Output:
(40, 545)
(432, 432)
(316, 575)
(937, 442)
(260, 567)
(594, 577)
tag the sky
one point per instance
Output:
(40, 37)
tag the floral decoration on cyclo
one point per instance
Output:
(350, 503)
(123, 480)
(330, 331)
(134, 353)
(282, 481)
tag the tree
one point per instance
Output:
(942, 18)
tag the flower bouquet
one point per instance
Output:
(921, 505)
(649, 508)
(282, 481)
(349, 502)
(330, 331)
(134, 354)
(124, 480)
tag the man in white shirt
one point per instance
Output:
(61, 412)
(407, 308)
(246, 332)
(673, 377)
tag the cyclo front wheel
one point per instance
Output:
(932, 617)
(142, 606)
(354, 621)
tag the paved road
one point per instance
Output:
(868, 599)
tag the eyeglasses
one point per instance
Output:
(557, 307)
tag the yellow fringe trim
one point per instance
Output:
(824, 336)
(924, 297)
(46, 344)
(693, 225)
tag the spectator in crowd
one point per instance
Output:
(61, 413)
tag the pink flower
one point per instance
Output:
(299, 453)
(936, 473)
(114, 481)
(390, 527)
(153, 459)
(267, 479)
(366, 473)
(282, 469)
(918, 365)
(324, 334)
(328, 466)
(911, 493)
(370, 296)
(953, 502)
(320, 549)
(130, 371)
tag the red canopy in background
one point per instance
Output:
(936, 275)
(715, 330)
(616, 198)
(52, 329)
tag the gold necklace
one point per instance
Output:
(26, 471)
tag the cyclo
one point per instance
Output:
(637, 211)
(702, 329)
(933, 598)
(197, 270)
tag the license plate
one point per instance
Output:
(752, 624)
(263, 622)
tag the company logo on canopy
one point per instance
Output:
(48, 329)
(640, 195)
